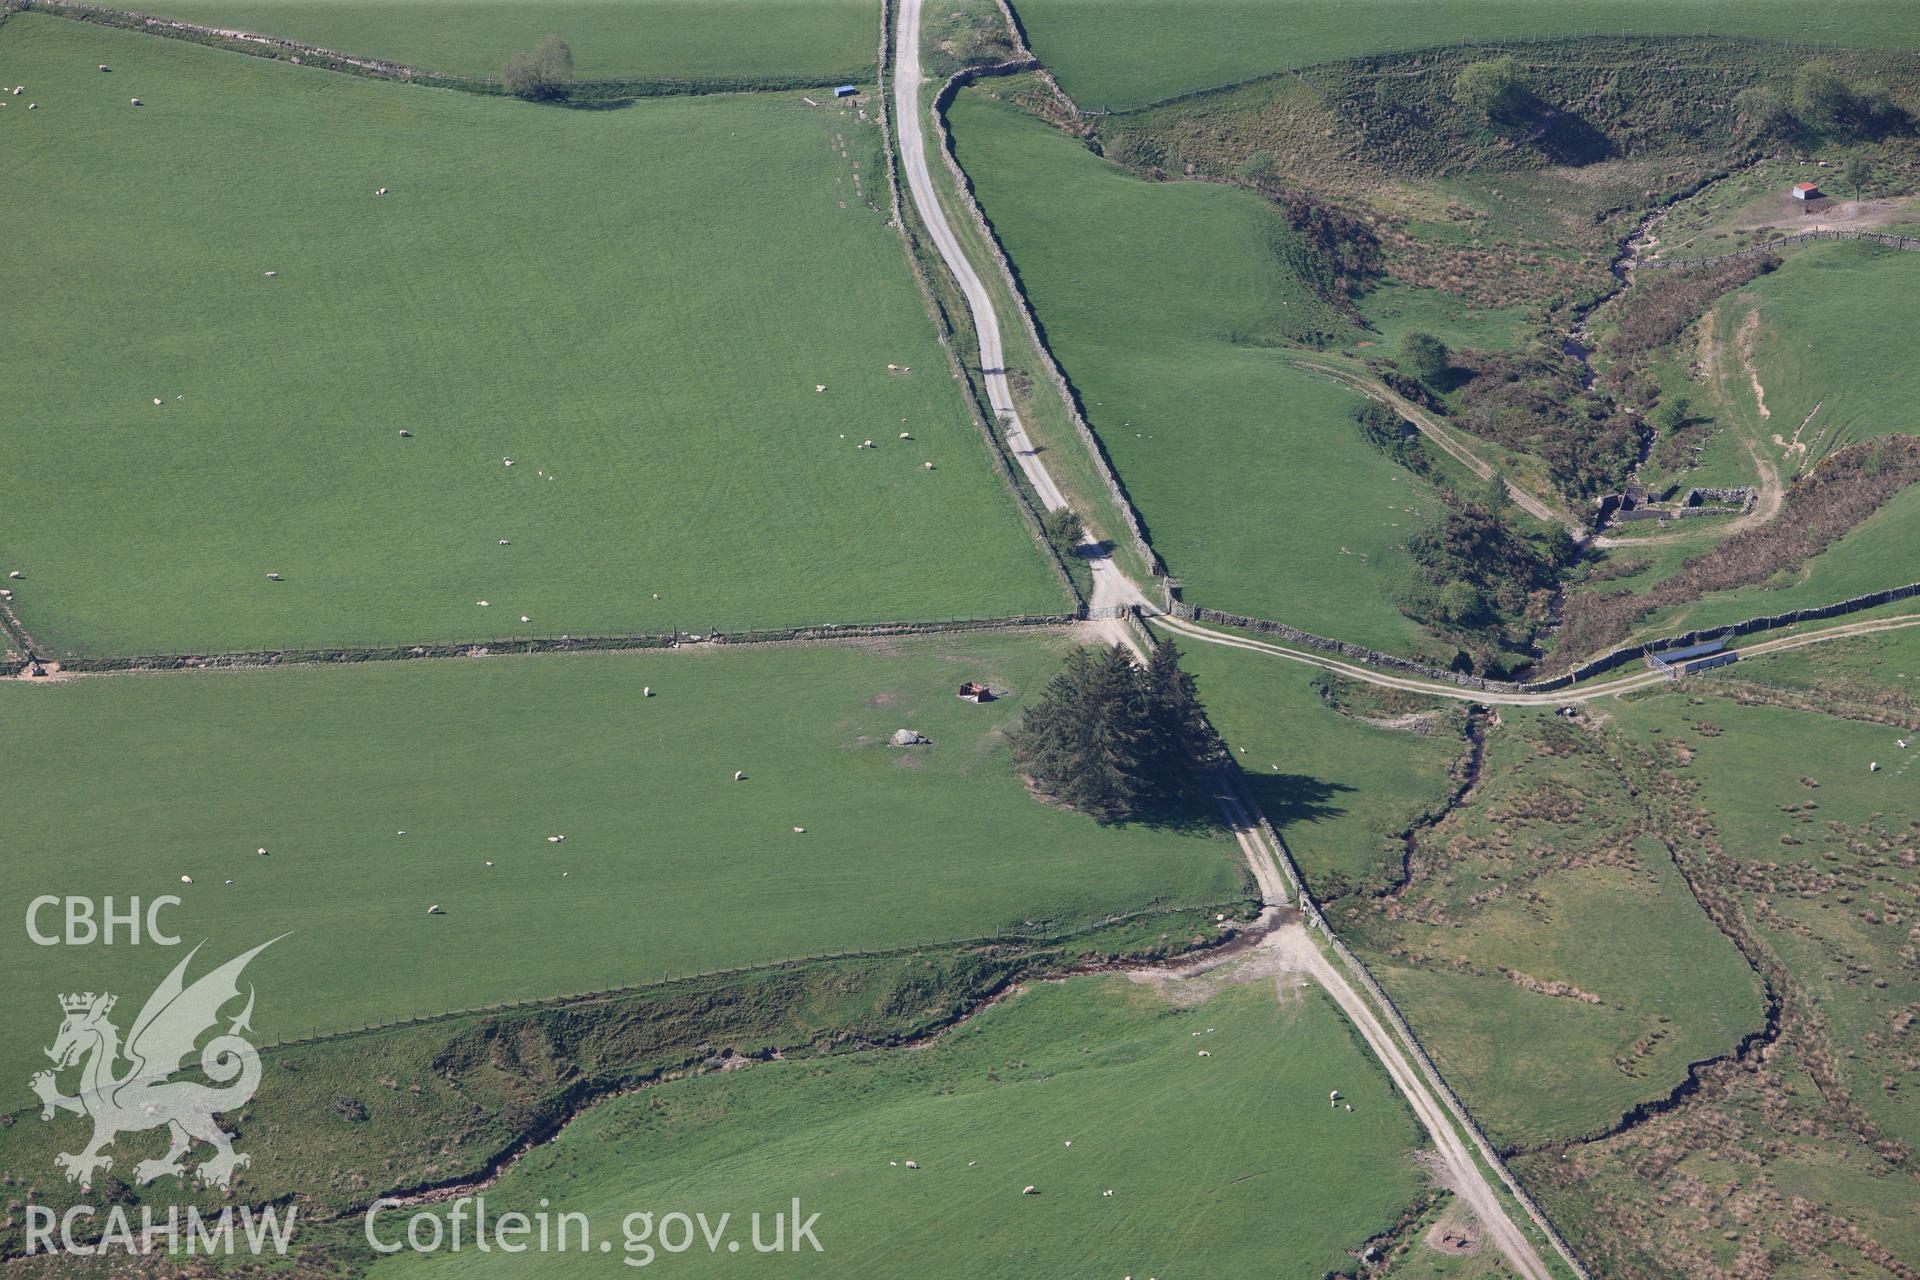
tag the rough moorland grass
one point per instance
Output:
(121, 785)
(1231, 1164)
(1166, 304)
(611, 39)
(1137, 51)
(1547, 947)
(633, 305)
(1826, 876)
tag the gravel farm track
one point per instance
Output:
(1111, 587)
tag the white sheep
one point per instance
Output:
(186, 879)
(507, 461)
(435, 910)
(1107, 1192)
(103, 66)
(157, 400)
(489, 862)
(1874, 767)
(1029, 1190)
(261, 851)
(483, 604)
(906, 435)
(819, 386)
(739, 776)
(646, 691)
(272, 274)
(555, 839)
(16, 574)
(505, 543)
(1205, 1054)
(405, 434)
(799, 831)
(382, 191)
(913, 1164)
(273, 577)
(525, 618)
(135, 101)
(928, 465)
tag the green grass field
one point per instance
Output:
(1228, 1165)
(611, 39)
(1338, 785)
(121, 785)
(1166, 305)
(633, 305)
(1125, 54)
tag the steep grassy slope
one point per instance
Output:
(1166, 305)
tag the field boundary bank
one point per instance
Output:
(1910, 244)
(281, 49)
(963, 186)
(913, 244)
(1031, 941)
(567, 644)
(1592, 667)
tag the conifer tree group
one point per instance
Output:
(1119, 741)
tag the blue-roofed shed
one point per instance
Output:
(845, 91)
(1673, 657)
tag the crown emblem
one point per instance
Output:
(80, 1002)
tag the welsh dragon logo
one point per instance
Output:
(142, 1096)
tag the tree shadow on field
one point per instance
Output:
(1289, 798)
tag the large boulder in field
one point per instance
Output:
(909, 738)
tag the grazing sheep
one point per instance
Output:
(906, 435)
(135, 101)
(928, 465)
(489, 862)
(508, 461)
(819, 386)
(867, 445)
(186, 879)
(1107, 1192)
(646, 691)
(555, 839)
(913, 1164)
(382, 191)
(1874, 767)
(262, 852)
(157, 400)
(16, 574)
(505, 543)
(1205, 1054)
(272, 274)
(405, 434)
(799, 831)
(33, 106)
(1029, 1190)
(273, 577)
(525, 618)
(739, 776)
(104, 67)
(483, 604)
(5, 594)
(435, 910)
(1348, 1105)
